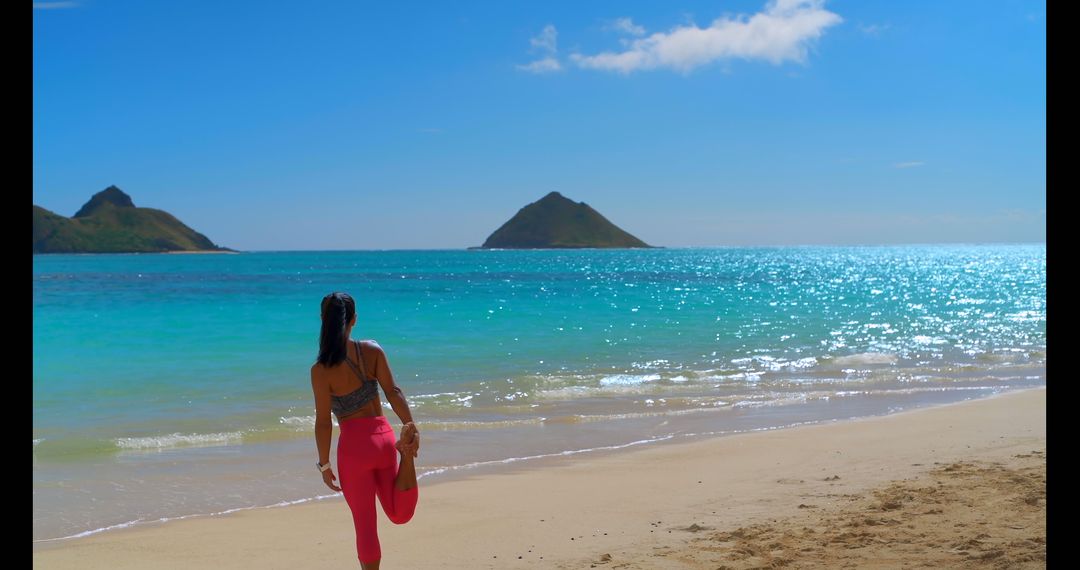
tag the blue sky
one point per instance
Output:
(348, 125)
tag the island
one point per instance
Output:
(111, 223)
(558, 222)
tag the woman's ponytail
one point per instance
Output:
(338, 310)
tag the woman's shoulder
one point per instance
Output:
(370, 345)
(317, 371)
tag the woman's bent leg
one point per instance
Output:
(398, 504)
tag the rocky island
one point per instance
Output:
(111, 223)
(555, 221)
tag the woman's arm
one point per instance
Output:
(393, 392)
(396, 397)
(324, 426)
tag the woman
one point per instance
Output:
(345, 381)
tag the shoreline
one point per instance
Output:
(452, 455)
(227, 475)
(494, 505)
(192, 252)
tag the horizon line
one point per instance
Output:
(475, 248)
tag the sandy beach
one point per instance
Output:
(961, 485)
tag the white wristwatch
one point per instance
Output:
(323, 468)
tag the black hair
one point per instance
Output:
(338, 310)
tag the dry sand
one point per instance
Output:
(956, 486)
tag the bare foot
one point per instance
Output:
(408, 445)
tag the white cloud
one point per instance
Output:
(911, 164)
(626, 26)
(547, 40)
(783, 31)
(54, 5)
(874, 29)
(546, 43)
(546, 65)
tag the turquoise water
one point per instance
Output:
(190, 361)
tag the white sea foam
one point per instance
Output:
(764, 362)
(864, 358)
(92, 532)
(751, 403)
(443, 425)
(178, 518)
(302, 422)
(703, 408)
(807, 362)
(179, 440)
(747, 376)
(476, 464)
(430, 396)
(628, 379)
(627, 388)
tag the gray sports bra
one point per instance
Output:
(368, 390)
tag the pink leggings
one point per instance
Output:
(367, 467)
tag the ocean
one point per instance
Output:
(169, 386)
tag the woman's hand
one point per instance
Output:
(409, 442)
(328, 477)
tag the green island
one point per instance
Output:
(111, 223)
(555, 222)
